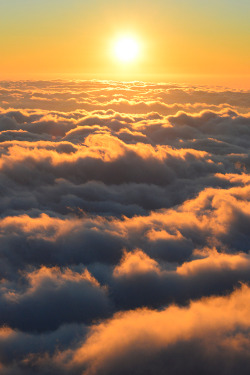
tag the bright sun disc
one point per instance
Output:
(126, 49)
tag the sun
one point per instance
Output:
(126, 49)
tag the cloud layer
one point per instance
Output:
(124, 229)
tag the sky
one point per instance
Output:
(178, 39)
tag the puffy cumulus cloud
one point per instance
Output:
(55, 241)
(117, 201)
(135, 263)
(215, 217)
(141, 281)
(49, 298)
(207, 336)
(134, 97)
(18, 348)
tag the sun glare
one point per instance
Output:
(126, 49)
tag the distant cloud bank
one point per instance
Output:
(124, 229)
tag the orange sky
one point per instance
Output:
(188, 41)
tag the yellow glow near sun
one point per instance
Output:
(126, 49)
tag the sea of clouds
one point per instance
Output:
(124, 229)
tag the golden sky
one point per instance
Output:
(182, 40)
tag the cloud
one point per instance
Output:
(208, 335)
(50, 298)
(124, 228)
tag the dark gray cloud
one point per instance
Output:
(50, 298)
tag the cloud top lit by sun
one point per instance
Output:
(126, 49)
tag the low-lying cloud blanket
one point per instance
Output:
(124, 229)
